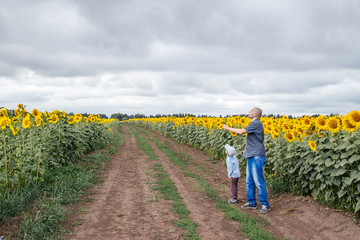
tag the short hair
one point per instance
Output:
(257, 111)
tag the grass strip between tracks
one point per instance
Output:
(169, 191)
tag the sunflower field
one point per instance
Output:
(33, 143)
(317, 156)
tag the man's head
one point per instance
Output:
(255, 113)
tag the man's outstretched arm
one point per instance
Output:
(235, 130)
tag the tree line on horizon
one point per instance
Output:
(124, 116)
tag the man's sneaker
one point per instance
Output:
(264, 209)
(231, 200)
(248, 206)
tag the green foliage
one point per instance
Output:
(27, 156)
(13, 203)
(45, 224)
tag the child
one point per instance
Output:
(233, 171)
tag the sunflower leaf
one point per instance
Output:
(338, 172)
(343, 146)
(341, 193)
(348, 181)
(357, 208)
(328, 162)
(354, 158)
(344, 155)
(334, 156)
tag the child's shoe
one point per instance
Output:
(232, 201)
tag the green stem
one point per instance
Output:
(6, 167)
(23, 144)
(58, 146)
(38, 165)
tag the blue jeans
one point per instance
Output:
(255, 177)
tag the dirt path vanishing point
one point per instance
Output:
(124, 206)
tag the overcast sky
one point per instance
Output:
(179, 56)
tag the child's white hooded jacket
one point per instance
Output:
(232, 162)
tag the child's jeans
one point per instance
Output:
(234, 187)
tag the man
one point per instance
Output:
(256, 159)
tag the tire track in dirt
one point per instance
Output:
(212, 224)
(122, 208)
(294, 217)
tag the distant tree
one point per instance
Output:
(120, 116)
(138, 115)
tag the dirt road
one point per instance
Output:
(125, 207)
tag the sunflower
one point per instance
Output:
(267, 129)
(78, 117)
(26, 123)
(91, 118)
(289, 136)
(300, 131)
(2, 113)
(333, 124)
(53, 118)
(295, 133)
(307, 122)
(275, 133)
(312, 145)
(110, 130)
(38, 121)
(320, 122)
(36, 113)
(285, 127)
(16, 113)
(354, 118)
(267, 122)
(347, 125)
(4, 122)
(71, 119)
(20, 106)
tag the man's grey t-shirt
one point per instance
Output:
(255, 139)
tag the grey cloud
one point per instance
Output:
(86, 38)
